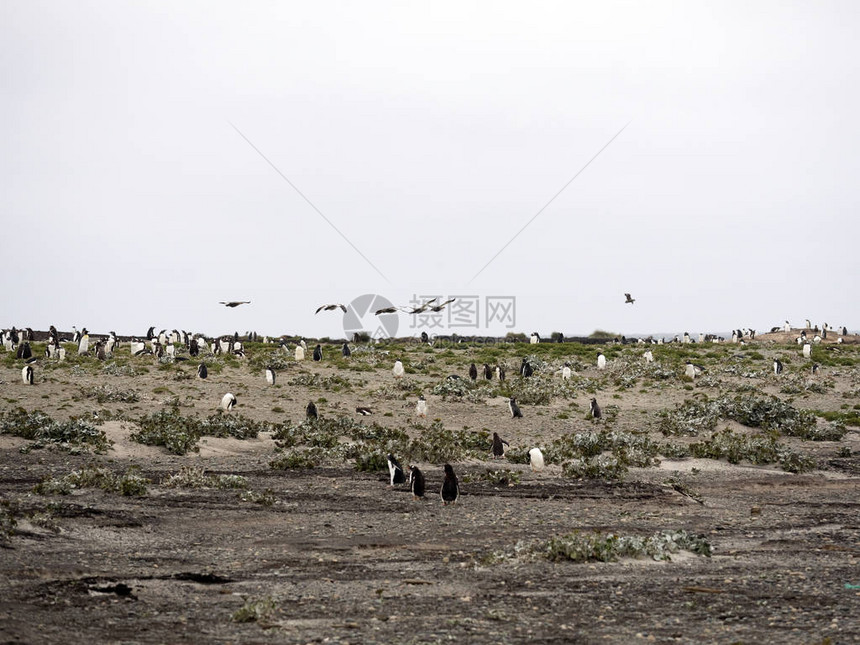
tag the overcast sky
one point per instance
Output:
(429, 134)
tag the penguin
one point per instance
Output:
(24, 351)
(601, 361)
(488, 373)
(808, 324)
(777, 366)
(150, 334)
(194, 347)
(516, 413)
(815, 368)
(421, 407)
(27, 374)
(318, 353)
(424, 339)
(686, 338)
(499, 446)
(450, 487)
(565, 373)
(170, 350)
(311, 411)
(649, 356)
(526, 369)
(416, 482)
(692, 370)
(346, 351)
(807, 350)
(365, 412)
(270, 376)
(844, 331)
(228, 402)
(398, 370)
(84, 343)
(500, 373)
(300, 353)
(536, 459)
(473, 372)
(202, 372)
(596, 413)
(395, 471)
(100, 351)
(136, 348)
(534, 339)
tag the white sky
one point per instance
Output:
(429, 134)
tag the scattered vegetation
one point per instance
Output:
(130, 484)
(74, 435)
(254, 610)
(179, 434)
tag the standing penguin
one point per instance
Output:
(300, 353)
(398, 370)
(202, 372)
(24, 351)
(416, 482)
(488, 373)
(777, 366)
(500, 373)
(228, 402)
(27, 374)
(346, 351)
(421, 407)
(815, 368)
(499, 446)
(450, 487)
(649, 356)
(473, 372)
(526, 369)
(395, 471)
(516, 413)
(565, 372)
(601, 361)
(318, 353)
(270, 375)
(807, 350)
(311, 411)
(596, 413)
(536, 459)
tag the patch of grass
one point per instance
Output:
(254, 610)
(264, 498)
(757, 449)
(494, 477)
(179, 434)
(107, 393)
(74, 435)
(594, 547)
(196, 477)
(130, 483)
(606, 467)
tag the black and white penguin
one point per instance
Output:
(777, 366)
(311, 411)
(416, 482)
(450, 487)
(526, 369)
(500, 373)
(395, 471)
(27, 374)
(100, 351)
(24, 351)
(596, 413)
(844, 331)
(228, 402)
(536, 459)
(692, 370)
(398, 370)
(473, 372)
(346, 351)
(193, 347)
(516, 413)
(424, 339)
(601, 361)
(318, 353)
(365, 412)
(499, 446)
(421, 406)
(534, 339)
(202, 372)
(270, 376)
(150, 333)
(488, 373)
(815, 368)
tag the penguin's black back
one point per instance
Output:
(416, 478)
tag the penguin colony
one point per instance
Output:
(165, 345)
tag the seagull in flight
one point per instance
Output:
(235, 303)
(421, 309)
(629, 300)
(329, 308)
(386, 310)
(438, 308)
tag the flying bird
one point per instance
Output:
(235, 303)
(329, 308)
(440, 307)
(423, 307)
(629, 300)
(385, 310)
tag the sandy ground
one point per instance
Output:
(343, 558)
